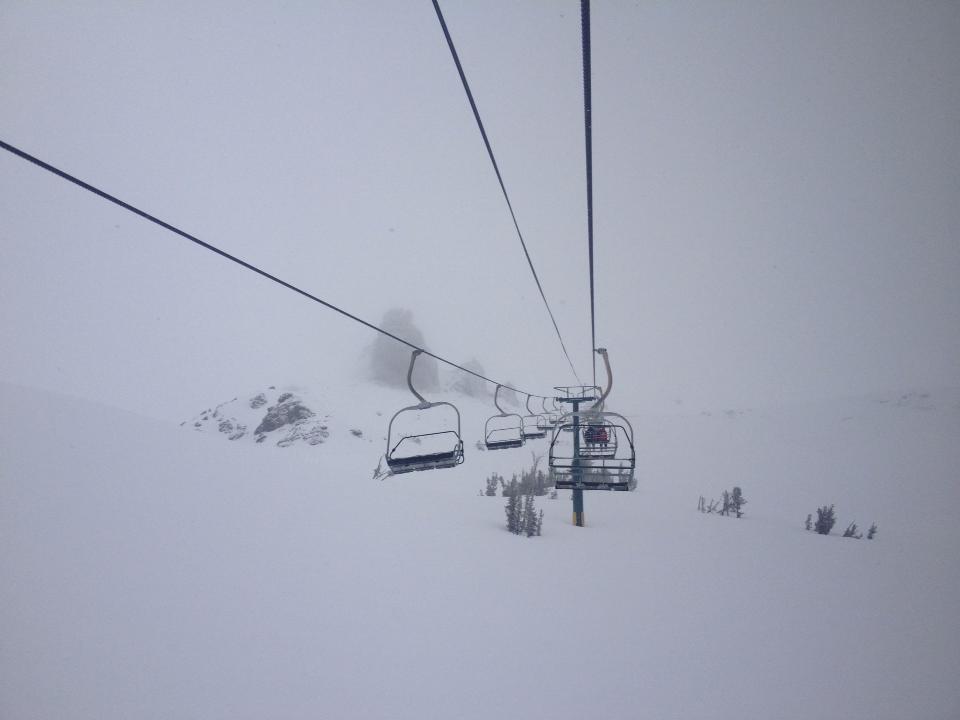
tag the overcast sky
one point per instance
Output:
(776, 190)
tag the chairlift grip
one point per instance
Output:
(413, 361)
(496, 403)
(606, 361)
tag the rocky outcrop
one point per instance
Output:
(281, 418)
(286, 412)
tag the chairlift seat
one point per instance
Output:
(596, 483)
(432, 461)
(503, 444)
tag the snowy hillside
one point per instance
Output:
(155, 572)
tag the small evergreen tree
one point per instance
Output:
(539, 523)
(529, 516)
(726, 503)
(493, 482)
(826, 519)
(738, 501)
(513, 509)
(872, 531)
(809, 523)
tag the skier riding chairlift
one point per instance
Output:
(596, 435)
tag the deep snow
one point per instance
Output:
(147, 571)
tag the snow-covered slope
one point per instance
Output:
(154, 572)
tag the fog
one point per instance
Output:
(776, 194)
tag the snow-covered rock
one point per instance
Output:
(279, 417)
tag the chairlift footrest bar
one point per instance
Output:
(613, 486)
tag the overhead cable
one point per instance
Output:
(588, 135)
(249, 266)
(496, 169)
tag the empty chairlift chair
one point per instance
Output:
(409, 450)
(504, 430)
(545, 421)
(531, 425)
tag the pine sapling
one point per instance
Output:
(809, 523)
(513, 508)
(726, 503)
(529, 516)
(738, 501)
(872, 531)
(826, 519)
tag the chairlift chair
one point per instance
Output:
(601, 454)
(423, 451)
(531, 425)
(548, 419)
(595, 466)
(504, 430)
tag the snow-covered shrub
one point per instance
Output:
(851, 531)
(737, 501)
(531, 482)
(493, 482)
(872, 531)
(809, 523)
(514, 509)
(730, 502)
(826, 519)
(521, 511)
(529, 517)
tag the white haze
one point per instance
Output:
(776, 187)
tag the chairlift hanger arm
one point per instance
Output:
(496, 401)
(606, 362)
(413, 361)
